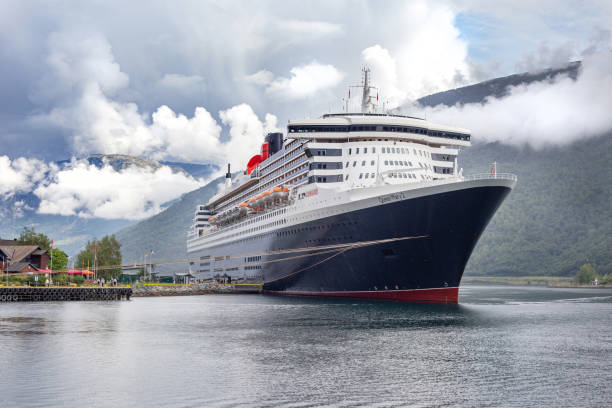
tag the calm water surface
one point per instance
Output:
(502, 346)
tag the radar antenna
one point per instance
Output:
(368, 100)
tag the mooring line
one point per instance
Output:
(331, 248)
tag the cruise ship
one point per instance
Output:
(358, 205)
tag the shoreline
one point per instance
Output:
(541, 281)
(195, 289)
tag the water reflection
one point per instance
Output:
(520, 346)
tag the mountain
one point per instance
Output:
(497, 87)
(71, 233)
(165, 234)
(558, 217)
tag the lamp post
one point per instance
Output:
(151, 266)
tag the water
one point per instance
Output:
(502, 346)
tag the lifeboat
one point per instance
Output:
(259, 202)
(267, 197)
(280, 193)
(242, 209)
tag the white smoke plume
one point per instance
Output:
(541, 113)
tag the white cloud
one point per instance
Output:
(20, 175)
(246, 134)
(309, 29)
(100, 124)
(193, 139)
(76, 62)
(84, 190)
(262, 78)
(426, 56)
(384, 70)
(184, 84)
(541, 113)
(305, 81)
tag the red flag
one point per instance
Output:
(51, 244)
(377, 96)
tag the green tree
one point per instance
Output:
(59, 260)
(30, 237)
(586, 274)
(108, 254)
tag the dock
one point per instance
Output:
(191, 289)
(63, 293)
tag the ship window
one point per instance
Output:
(373, 174)
(363, 163)
(403, 150)
(397, 163)
(360, 175)
(414, 150)
(373, 150)
(367, 175)
(410, 163)
(354, 163)
(372, 162)
(347, 164)
(350, 151)
(386, 162)
(346, 177)
(357, 151)
(365, 149)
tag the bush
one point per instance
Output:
(15, 279)
(586, 274)
(78, 279)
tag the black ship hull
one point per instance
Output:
(415, 249)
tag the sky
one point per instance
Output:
(203, 81)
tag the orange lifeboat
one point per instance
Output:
(267, 196)
(280, 193)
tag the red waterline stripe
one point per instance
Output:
(435, 295)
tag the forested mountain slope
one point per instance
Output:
(558, 217)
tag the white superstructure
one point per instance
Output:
(326, 162)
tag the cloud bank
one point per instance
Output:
(85, 190)
(91, 89)
(133, 193)
(542, 113)
(305, 81)
(20, 175)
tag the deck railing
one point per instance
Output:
(487, 176)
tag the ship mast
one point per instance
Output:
(367, 104)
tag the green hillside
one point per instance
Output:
(558, 217)
(165, 233)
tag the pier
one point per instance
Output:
(63, 293)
